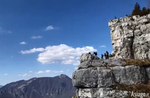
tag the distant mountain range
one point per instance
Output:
(44, 87)
(1, 86)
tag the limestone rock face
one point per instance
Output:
(130, 74)
(87, 56)
(130, 37)
(148, 71)
(95, 78)
(85, 78)
(101, 93)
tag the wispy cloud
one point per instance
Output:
(24, 75)
(39, 72)
(102, 46)
(5, 74)
(32, 50)
(23, 43)
(60, 54)
(49, 28)
(36, 37)
(47, 71)
(76, 68)
(50, 71)
(4, 31)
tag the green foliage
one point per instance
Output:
(145, 11)
(138, 11)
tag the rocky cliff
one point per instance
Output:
(129, 68)
(130, 37)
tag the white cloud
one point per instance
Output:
(63, 54)
(60, 54)
(32, 50)
(36, 37)
(49, 28)
(24, 74)
(5, 74)
(39, 72)
(102, 46)
(76, 68)
(30, 71)
(57, 71)
(22, 43)
(49, 71)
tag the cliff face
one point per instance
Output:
(130, 64)
(130, 37)
(95, 78)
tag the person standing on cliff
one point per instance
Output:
(102, 56)
(107, 55)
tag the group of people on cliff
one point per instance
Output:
(105, 55)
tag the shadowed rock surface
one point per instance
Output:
(44, 87)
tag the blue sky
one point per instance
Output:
(41, 38)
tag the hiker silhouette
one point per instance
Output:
(102, 56)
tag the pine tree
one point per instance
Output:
(148, 7)
(148, 11)
(144, 11)
(136, 10)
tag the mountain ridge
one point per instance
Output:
(41, 87)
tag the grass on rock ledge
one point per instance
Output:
(140, 88)
(138, 62)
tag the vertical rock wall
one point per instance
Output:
(130, 37)
(96, 78)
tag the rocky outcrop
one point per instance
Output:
(87, 56)
(130, 37)
(96, 78)
(129, 64)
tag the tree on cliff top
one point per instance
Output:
(148, 4)
(136, 10)
(144, 11)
